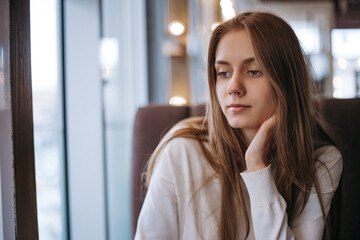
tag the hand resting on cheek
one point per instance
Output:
(255, 156)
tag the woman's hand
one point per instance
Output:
(255, 154)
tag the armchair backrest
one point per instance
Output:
(151, 123)
(343, 117)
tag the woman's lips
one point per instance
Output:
(238, 107)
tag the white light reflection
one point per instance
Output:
(342, 63)
(228, 13)
(109, 55)
(176, 28)
(337, 82)
(338, 94)
(226, 4)
(177, 101)
(227, 9)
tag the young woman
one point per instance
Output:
(260, 164)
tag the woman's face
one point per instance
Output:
(244, 93)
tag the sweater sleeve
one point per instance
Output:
(158, 216)
(268, 207)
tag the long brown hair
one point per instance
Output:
(298, 131)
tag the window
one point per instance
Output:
(124, 71)
(346, 62)
(48, 118)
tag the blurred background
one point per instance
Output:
(94, 62)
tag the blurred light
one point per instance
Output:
(109, 53)
(337, 82)
(214, 25)
(227, 9)
(358, 62)
(226, 4)
(342, 63)
(177, 101)
(228, 13)
(338, 94)
(176, 28)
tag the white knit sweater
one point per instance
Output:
(179, 206)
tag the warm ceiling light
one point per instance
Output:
(227, 9)
(337, 82)
(177, 101)
(338, 94)
(109, 52)
(226, 4)
(176, 28)
(342, 63)
(228, 13)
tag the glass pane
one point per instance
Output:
(346, 62)
(123, 63)
(48, 119)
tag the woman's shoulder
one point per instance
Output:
(183, 147)
(328, 154)
(329, 162)
(182, 162)
(186, 132)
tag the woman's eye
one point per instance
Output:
(224, 74)
(255, 73)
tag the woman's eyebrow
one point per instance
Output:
(222, 62)
(249, 60)
(244, 62)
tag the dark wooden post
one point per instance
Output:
(18, 191)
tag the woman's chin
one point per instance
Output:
(238, 123)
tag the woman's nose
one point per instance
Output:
(235, 86)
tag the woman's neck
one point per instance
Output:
(249, 134)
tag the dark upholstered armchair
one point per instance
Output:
(343, 116)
